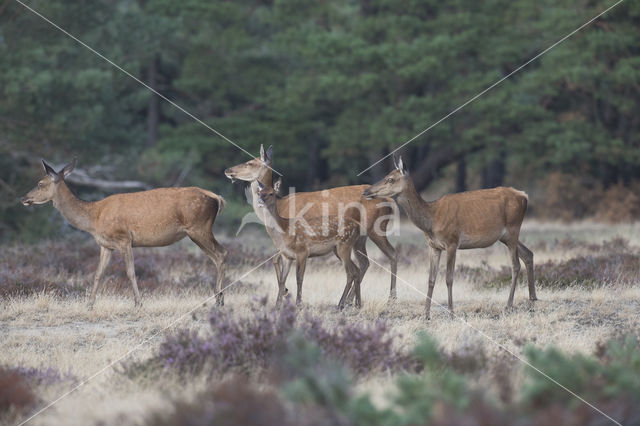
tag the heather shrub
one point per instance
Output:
(252, 342)
(307, 387)
(613, 262)
(363, 347)
(16, 395)
(66, 267)
(232, 402)
(44, 376)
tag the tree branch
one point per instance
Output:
(81, 178)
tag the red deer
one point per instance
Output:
(298, 242)
(154, 218)
(372, 214)
(468, 220)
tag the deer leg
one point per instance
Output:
(218, 254)
(451, 264)
(434, 263)
(282, 271)
(301, 263)
(127, 254)
(105, 257)
(360, 252)
(360, 249)
(277, 265)
(385, 246)
(346, 294)
(527, 257)
(352, 287)
(219, 258)
(515, 270)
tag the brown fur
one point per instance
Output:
(297, 241)
(371, 214)
(467, 220)
(154, 218)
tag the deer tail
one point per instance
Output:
(221, 201)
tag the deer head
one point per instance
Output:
(47, 187)
(266, 195)
(391, 185)
(251, 170)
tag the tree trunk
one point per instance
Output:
(153, 109)
(436, 159)
(311, 177)
(494, 172)
(379, 170)
(461, 176)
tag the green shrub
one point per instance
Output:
(615, 375)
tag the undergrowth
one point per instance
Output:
(308, 387)
(613, 262)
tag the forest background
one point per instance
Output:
(333, 85)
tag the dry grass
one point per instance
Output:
(53, 330)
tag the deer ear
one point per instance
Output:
(66, 171)
(269, 156)
(276, 186)
(401, 166)
(262, 152)
(50, 172)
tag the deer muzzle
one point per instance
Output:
(229, 174)
(26, 201)
(367, 194)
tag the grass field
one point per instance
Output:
(44, 321)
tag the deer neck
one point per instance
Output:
(275, 224)
(266, 177)
(76, 211)
(419, 211)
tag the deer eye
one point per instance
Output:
(390, 180)
(39, 184)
